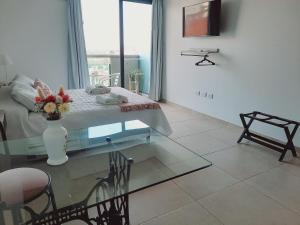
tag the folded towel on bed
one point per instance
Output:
(97, 90)
(123, 98)
(107, 100)
(111, 99)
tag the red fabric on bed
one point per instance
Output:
(128, 107)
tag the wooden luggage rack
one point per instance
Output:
(270, 143)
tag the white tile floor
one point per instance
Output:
(245, 186)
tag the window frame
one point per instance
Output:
(140, 1)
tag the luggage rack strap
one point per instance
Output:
(286, 122)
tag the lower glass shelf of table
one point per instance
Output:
(93, 186)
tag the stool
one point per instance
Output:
(20, 186)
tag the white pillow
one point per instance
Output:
(22, 79)
(24, 95)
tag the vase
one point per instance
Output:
(55, 140)
(134, 86)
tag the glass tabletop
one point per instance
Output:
(80, 139)
(105, 162)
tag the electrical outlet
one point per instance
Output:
(211, 96)
(198, 93)
(205, 94)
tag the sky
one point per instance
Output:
(101, 26)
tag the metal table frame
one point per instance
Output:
(114, 211)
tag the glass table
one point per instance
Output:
(106, 164)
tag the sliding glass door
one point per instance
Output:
(137, 44)
(102, 37)
(118, 41)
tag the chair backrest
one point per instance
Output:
(112, 80)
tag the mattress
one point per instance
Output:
(84, 112)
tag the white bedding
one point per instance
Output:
(85, 112)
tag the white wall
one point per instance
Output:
(259, 64)
(34, 34)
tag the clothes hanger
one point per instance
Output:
(200, 63)
(201, 53)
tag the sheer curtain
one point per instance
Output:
(78, 74)
(156, 50)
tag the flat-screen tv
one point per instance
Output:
(202, 19)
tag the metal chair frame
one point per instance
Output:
(16, 209)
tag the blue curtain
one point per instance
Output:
(78, 74)
(157, 51)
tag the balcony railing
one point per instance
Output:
(102, 66)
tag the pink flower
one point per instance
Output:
(38, 99)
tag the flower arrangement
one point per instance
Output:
(53, 105)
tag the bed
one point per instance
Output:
(85, 112)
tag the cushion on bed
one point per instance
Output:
(22, 79)
(24, 94)
(46, 91)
